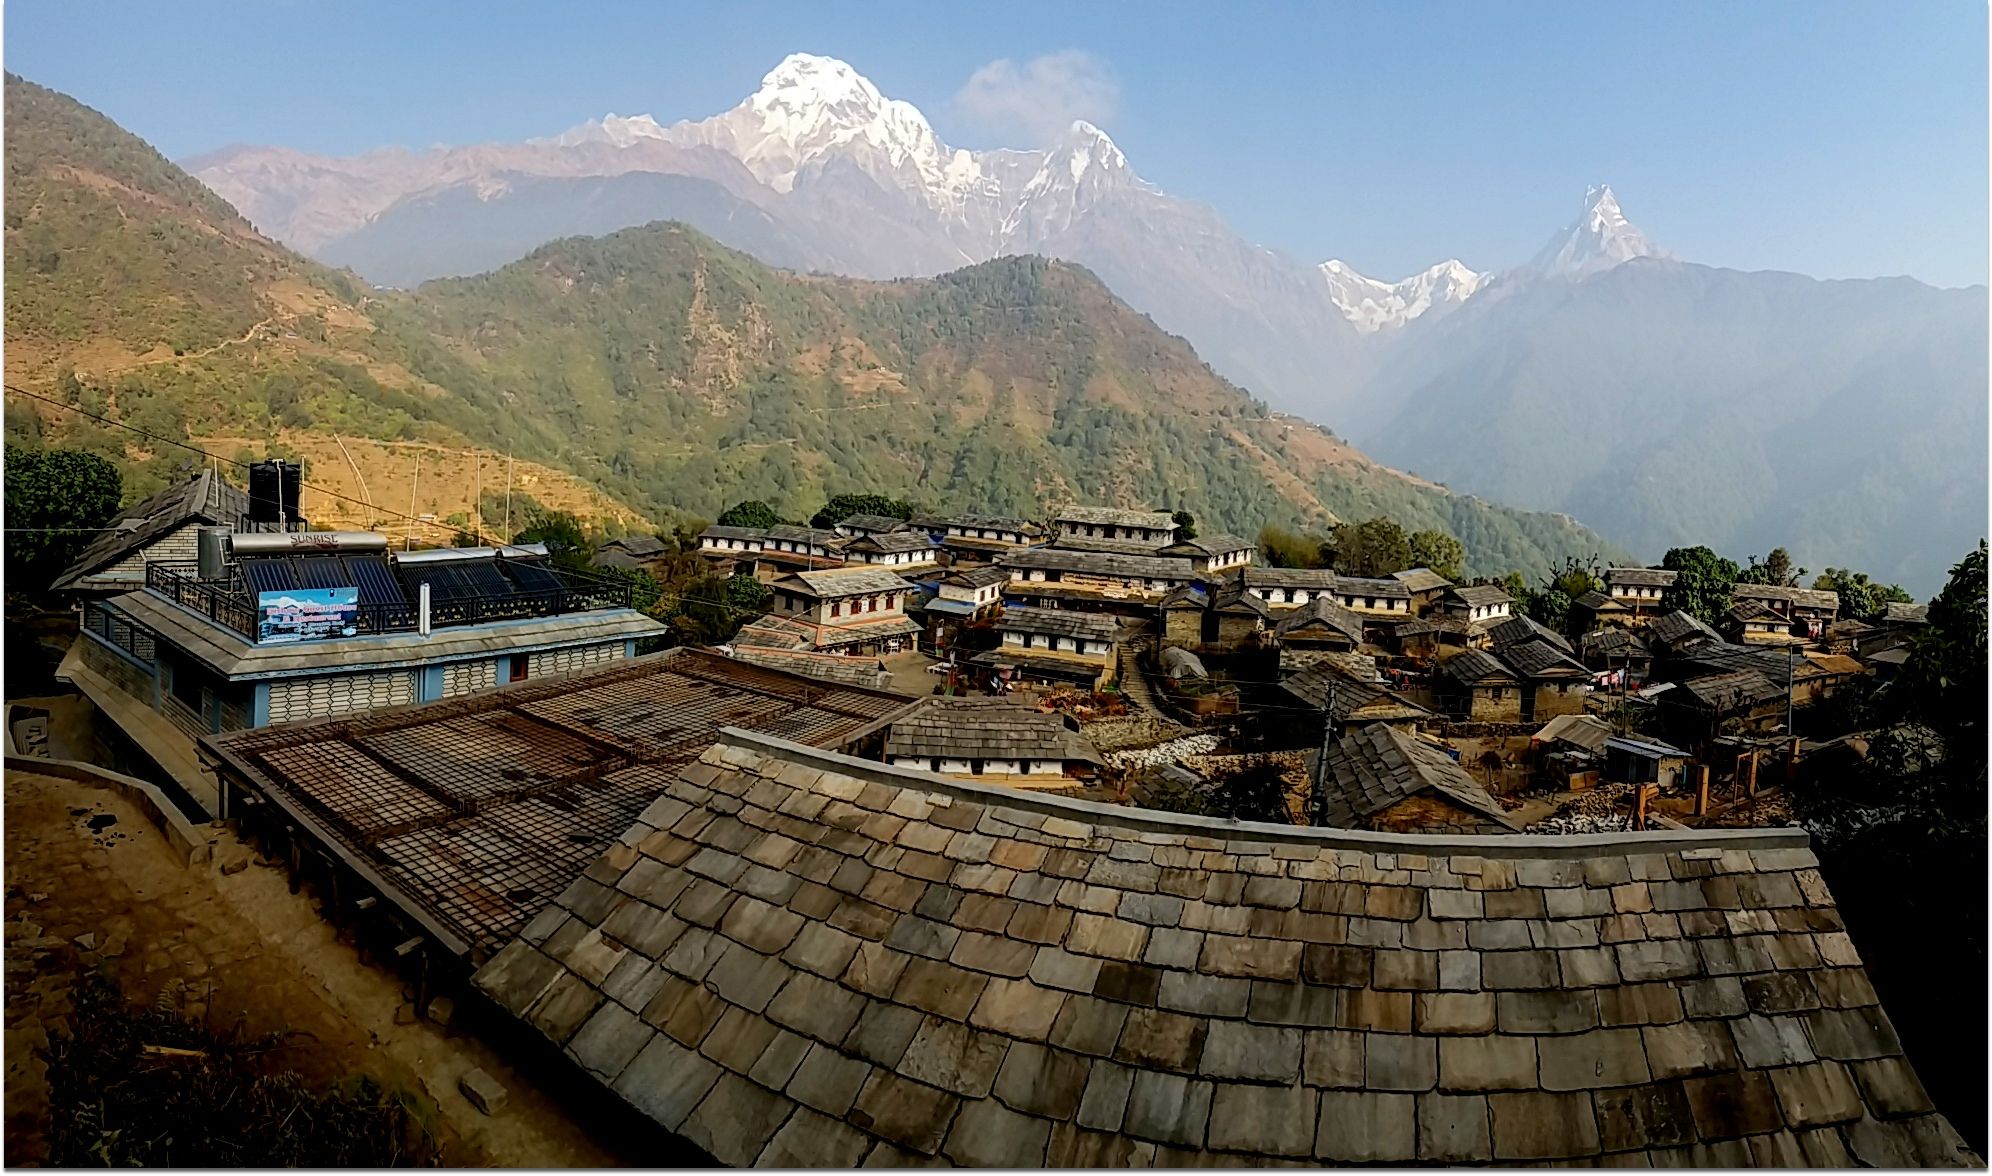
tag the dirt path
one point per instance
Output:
(81, 861)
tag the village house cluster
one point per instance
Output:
(792, 917)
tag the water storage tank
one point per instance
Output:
(212, 551)
(274, 489)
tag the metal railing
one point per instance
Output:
(228, 603)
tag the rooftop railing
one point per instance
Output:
(229, 603)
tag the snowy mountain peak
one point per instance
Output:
(1374, 306)
(1600, 238)
(809, 107)
(804, 79)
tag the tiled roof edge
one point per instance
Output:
(1580, 845)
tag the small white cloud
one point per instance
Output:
(1039, 99)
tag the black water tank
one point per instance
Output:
(274, 487)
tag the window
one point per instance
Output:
(836, 608)
(1497, 693)
(517, 671)
(186, 686)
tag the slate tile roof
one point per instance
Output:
(1060, 622)
(1108, 516)
(983, 522)
(1374, 766)
(1676, 627)
(1470, 667)
(1897, 612)
(1613, 643)
(1096, 563)
(983, 728)
(982, 577)
(204, 498)
(874, 524)
(1383, 589)
(739, 533)
(1354, 700)
(1641, 577)
(1540, 659)
(641, 546)
(1481, 595)
(1726, 693)
(868, 672)
(1312, 579)
(817, 536)
(796, 958)
(1780, 594)
(893, 543)
(1421, 579)
(1113, 546)
(835, 583)
(1212, 545)
(1519, 629)
(1321, 613)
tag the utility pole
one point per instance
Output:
(1318, 800)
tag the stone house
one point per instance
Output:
(994, 740)
(1426, 586)
(1485, 605)
(1387, 780)
(854, 610)
(1475, 686)
(1150, 527)
(1212, 554)
(1320, 624)
(1131, 585)
(1053, 645)
(1285, 588)
(892, 549)
(1553, 683)
(1639, 590)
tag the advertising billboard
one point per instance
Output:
(306, 614)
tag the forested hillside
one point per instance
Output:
(673, 373)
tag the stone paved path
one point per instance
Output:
(246, 950)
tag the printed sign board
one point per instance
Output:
(307, 614)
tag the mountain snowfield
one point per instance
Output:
(1544, 385)
(1374, 306)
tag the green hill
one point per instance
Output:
(673, 373)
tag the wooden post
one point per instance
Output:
(1646, 793)
(1701, 793)
(1750, 786)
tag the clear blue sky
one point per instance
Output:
(1838, 139)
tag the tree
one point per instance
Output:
(702, 615)
(748, 595)
(1440, 552)
(1860, 598)
(1703, 586)
(566, 543)
(1551, 604)
(1186, 525)
(843, 506)
(1288, 549)
(1775, 568)
(56, 501)
(1945, 679)
(1376, 547)
(751, 513)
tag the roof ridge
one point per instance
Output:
(1512, 845)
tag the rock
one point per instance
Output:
(442, 1010)
(115, 945)
(235, 863)
(87, 941)
(404, 1014)
(483, 1091)
(38, 896)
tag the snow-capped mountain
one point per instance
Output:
(817, 169)
(1375, 306)
(1599, 239)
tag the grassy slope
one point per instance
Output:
(673, 374)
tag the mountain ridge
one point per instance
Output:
(678, 375)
